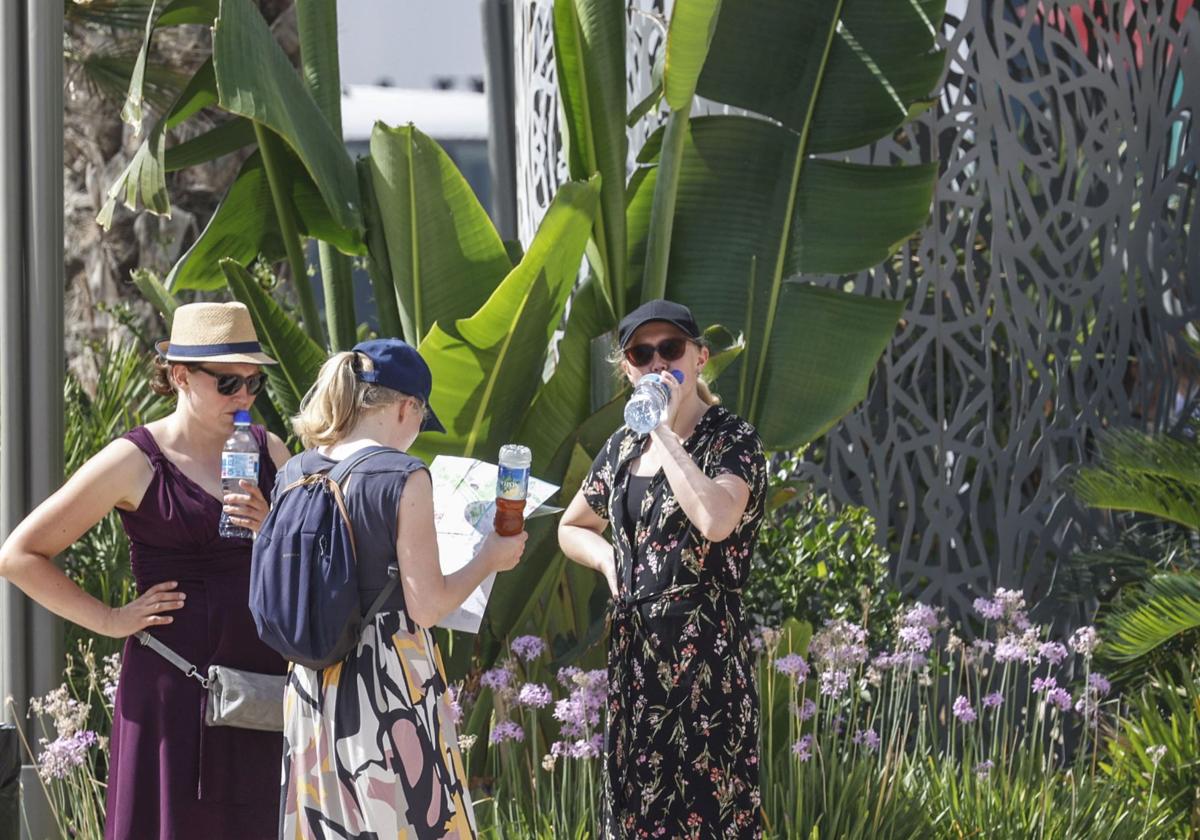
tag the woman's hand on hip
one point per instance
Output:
(503, 553)
(248, 508)
(148, 610)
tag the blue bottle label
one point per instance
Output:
(239, 465)
(512, 482)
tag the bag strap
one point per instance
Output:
(189, 670)
(341, 471)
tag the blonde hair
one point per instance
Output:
(617, 359)
(338, 400)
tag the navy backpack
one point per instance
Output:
(304, 572)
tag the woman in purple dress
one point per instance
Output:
(170, 776)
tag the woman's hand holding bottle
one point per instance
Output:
(502, 553)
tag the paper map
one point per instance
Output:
(464, 503)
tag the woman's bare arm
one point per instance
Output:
(117, 476)
(580, 536)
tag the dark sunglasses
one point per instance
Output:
(670, 349)
(229, 384)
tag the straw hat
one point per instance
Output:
(213, 332)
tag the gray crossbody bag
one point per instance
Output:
(244, 699)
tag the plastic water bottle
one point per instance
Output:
(239, 462)
(648, 405)
(512, 485)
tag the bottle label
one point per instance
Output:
(239, 465)
(512, 482)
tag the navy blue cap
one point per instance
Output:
(400, 367)
(657, 310)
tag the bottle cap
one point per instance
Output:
(678, 374)
(515, 455)
(241, 418)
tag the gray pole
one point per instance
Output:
(31, 316)
(502, 159)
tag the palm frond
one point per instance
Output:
(107, 14)
(1159, 475)
(106, 74)
(1167, 607)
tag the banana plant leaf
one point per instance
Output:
(245, 225)
(144, 178)
(753, 214)
(844, 74)
(299, 357)
(445, 258)
(486, 368)
(688, 39)
(565, 400)
(589, 55)
(255, 80)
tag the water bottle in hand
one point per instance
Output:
(648, 405)
(239, 462)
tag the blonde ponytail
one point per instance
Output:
(338, 399)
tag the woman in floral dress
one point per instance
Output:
(684, 503)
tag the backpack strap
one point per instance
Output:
(339, 472)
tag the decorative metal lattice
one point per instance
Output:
(1048, 296)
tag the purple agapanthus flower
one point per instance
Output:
(793, 665)
(803, 748)
(534, 695)
(506, 730)
(1053, 652)
(528, 647)
(963, 710)
(1059, 697)
(993, 701)
(497, 679)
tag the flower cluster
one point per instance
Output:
(839, 648)
(579, 714)
(66, 752)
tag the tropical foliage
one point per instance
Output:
(1158, 613)
(725, 213)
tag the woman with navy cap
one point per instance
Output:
(685, 503)
(370, 743)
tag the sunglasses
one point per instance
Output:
(670, 349)
(229, 384)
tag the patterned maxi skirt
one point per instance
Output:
(370, 747)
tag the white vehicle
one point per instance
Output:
(456, 119)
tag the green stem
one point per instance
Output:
(662, 210)
(291, 234)
(316, 24)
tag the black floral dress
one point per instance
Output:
(682, 738)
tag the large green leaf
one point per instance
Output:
(753, 214)
(565, 400)
(445, 256)
(589, 55)
(282, 338)
(1167, 607)
(818, 362)
(1159, 475)
(688, 39)
(316, 22)
(245, 225)
(486, 368)
(256, 80)
(144, 178)
(844, 73)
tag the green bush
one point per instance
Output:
(816, 561)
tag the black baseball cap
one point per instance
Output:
(657, 310)
(400, 367)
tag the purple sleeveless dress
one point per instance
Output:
(170, 776)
